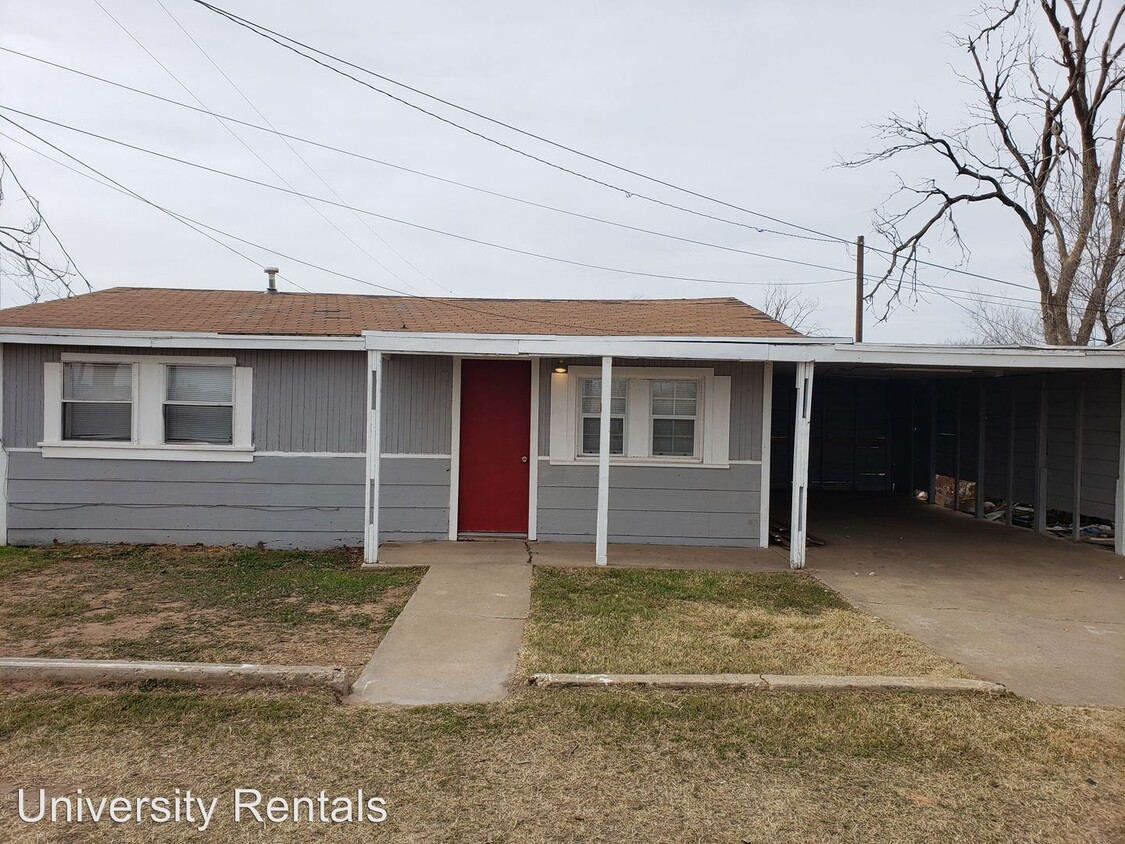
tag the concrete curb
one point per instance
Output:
(773, 682)
(17, 669)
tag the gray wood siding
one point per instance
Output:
(283, 502)
(745, 399)
(304, 401)
(417, 401)
(652, 505)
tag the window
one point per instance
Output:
(97, 402)
(659, 416)
(199, 404)
(674, 411)
(147, 407)
(590, 415)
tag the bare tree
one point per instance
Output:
(996, 323)
(791, 307)
(1044, 139)
(21, 252)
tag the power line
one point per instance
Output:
(287, 42)
(445, 302)
(381, 162)
(270, 34)
(293, 149)
(454, 235)
(122, 188)
(238, 138)
(193, 224)
(46, 224)
(416, 172)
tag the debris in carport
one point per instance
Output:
(779, 535)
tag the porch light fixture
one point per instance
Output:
(560, 366)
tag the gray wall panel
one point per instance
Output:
(304, 401)
(417, 401)
(303, 502)
(652, 505)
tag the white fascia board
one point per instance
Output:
(680, 348)
(175, 339)
(974, 357)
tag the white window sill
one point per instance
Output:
(136, 451)
(656, 462)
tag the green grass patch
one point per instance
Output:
(639, 622)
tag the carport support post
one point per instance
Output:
(601, 548)
(1009, 492)
(1119, 504)
(982, 421)
(1041, 461)
(374, 446)
(1079, 424)
(797, 517)
(931, 480)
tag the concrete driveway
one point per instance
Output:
(1041, 615)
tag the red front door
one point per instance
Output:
(495, 446)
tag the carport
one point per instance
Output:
(1027, 437)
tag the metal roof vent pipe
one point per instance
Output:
(272, 273)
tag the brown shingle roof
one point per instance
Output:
(333, 314)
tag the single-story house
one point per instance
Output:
(314, 420)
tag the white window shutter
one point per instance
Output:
(562, 418)
(52, 402)
(716, 438)
(243, 406)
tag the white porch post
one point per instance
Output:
(533, 456)
(374, 448)
(1119, 504)
(767, 432)
(797, 519)
(601, 557)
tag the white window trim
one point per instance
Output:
(148, 413)
(712, 419)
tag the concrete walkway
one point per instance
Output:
(458, 637)
(1043, 616)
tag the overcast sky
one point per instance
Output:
(749, 102)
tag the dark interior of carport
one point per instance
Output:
(1043, 445)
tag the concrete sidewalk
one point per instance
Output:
(458, 637)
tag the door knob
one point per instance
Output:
(524, 459)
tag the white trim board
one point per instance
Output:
(455, 450)
(175, 339)
(533, 454)
(135, 451)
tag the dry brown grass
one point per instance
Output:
(641, 622)
(594, 766)
(196, 604)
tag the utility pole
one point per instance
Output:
(859, 289)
